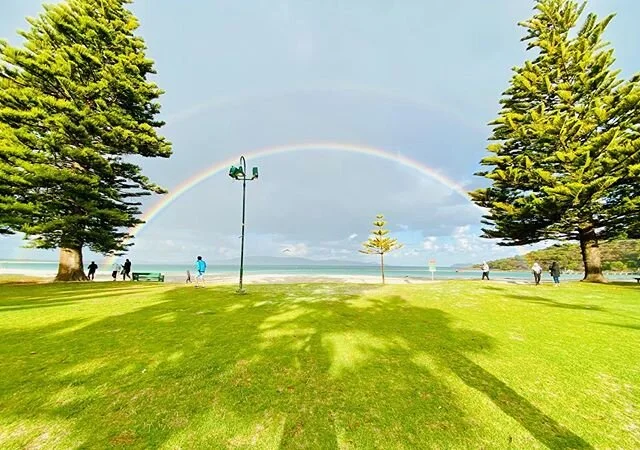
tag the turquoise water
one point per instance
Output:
(49, 268)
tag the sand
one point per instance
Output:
(228, 279)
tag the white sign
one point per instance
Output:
(432, 267)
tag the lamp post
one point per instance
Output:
(240, 173)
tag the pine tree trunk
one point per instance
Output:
(382, 266)
(591, 256)
(70, 266)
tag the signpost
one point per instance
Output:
(432, 267)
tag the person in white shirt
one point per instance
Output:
(116, 269)
(485, 270)
(537, 272)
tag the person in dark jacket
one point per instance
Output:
(554, 271)
(126, 270)
(92, 270)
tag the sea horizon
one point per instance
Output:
(178, 270)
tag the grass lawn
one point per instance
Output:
(446, 365)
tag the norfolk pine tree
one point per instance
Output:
(13, 184)
(75, 103)
(565, 150)
(379, 242)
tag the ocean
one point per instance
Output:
(49, 269)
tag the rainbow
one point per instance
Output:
(218, 102)
(224, 165)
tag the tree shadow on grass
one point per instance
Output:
(625, 284)
(545, 429)
(620, 325)
(45, 295)
(426, 332)
(319, 368)
(553, 303)
(29, 306)
(490, 287)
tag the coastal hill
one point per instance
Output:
(617, 256)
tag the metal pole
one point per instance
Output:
(244, 194)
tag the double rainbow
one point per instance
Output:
(224, 165)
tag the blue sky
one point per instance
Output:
(419, 78)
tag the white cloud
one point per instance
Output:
(461, 230)
(340, 254)
(463, 239)
(430, 243)
(299, 249)
(353, 236)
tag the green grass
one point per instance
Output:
(447, 365)
(22, 279)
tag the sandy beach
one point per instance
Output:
(20, 274)
(286, 278)
(219, 279)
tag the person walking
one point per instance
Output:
(126, 270)
(92, 270)
(115, 270)
(485, 270)
(554, 270)
(537, 272)
(201, 268)
(188, 277)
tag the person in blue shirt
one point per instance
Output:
(201, 268)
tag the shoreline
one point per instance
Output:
(230, 279)
(17, 275)
(214, 279)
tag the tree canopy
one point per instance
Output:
(76, 103)
(564, 159)
(379, 242)
(617, 256)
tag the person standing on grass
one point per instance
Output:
(485, 270)
(554, 270)
(201, 268)
(115, 270)
(92, 270)
(126, 270)
(537, 272)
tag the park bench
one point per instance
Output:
(637, 279)
(148, 276)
